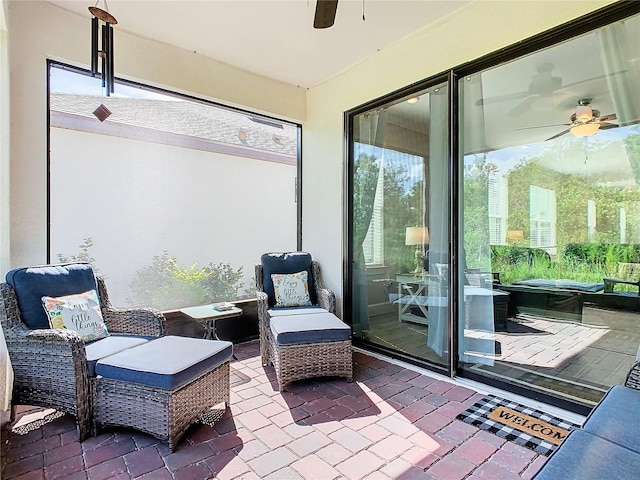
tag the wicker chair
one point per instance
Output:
(50, 365)
(633, 376)
(301, 361)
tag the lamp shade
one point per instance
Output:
(416, 236)
(585, 129)
(515, 235)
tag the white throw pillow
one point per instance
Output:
(79, 312)
(291, 289)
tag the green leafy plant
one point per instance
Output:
(83, 256)
(167, 285)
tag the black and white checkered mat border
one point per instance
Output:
(477, 415)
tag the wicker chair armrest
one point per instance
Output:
(135, 321)
(263, 324)
(51, 343)
(51, 334)
(633, 377)
(327, 300)
(263, 306)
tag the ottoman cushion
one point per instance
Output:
(616, 417)
(166, 363)
(583, 455)
(314, 328)
(108, 346)
(279, 312)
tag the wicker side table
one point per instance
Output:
(162, 400)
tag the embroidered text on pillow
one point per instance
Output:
(291, 289)
(79, 312)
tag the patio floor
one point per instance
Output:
(391, 423)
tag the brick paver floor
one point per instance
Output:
(390, 423)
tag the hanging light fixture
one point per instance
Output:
(584, 129)
(105, 34)
(585, 121)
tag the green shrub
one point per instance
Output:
(83, 256)
(581, 262)
(167, 285)
(602, 253)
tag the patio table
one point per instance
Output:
(207, 315)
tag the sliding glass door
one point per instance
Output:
(399, 225)
(550, 210)
(539, 197)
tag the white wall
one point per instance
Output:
(479, 29)
(6, 373)
(137, 199)
(40, 31)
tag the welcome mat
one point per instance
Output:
(518, 423)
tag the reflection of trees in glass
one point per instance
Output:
(365, 180)
(632, 145)
(572, 193)
(402, 208)
(476, 211)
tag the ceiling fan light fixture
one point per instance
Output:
(585, 129)
(584, 113)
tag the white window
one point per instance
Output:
(498, 209)
(542, 217)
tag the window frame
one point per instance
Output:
(183, 96)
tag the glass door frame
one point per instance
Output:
(348, 224)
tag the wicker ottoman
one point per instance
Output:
(312, 345)
(163, 386)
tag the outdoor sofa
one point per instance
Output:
(608, 443)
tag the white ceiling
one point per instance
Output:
(274, 38)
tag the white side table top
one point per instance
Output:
(204, 312)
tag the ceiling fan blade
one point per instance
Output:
(543, 88)
(502, 98)
(545, 126)
(599, 77)
(325, 13)
(558, 134)
(522, 107)
(606, 118)
(606, 126)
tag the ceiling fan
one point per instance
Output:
(584, 122)
(543, 85)
(325, 13)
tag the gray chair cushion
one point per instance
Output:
(282, 311)
(313, 328)
(617, 418)
(166, 363)
(291, 262)
(584, 456)
(108, 346)
(32, 283)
